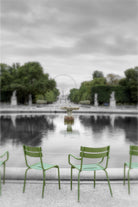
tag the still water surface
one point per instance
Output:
(50, 132)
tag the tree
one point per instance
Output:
(85, 90)
(126, 89)
(50, 96)
(132, 74)
(98, 81)
(104, 93)
(74, 95)
(97, 74)
(131, 83)
(6, 77)
(112, 79)
(26, 79)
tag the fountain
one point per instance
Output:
(14, 99)
(69, 110)
(112, 100)
(69, 119)
(95, 100)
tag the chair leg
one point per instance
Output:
(0, 184)
(25, 179)
(58, 177)
(94, 177)
(78, 186)
(128, 181)
(43, 184)
(108, 183)
(4, 173)
(71, 179)
(124, 173)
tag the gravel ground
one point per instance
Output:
(12, 195)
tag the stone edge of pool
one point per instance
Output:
(98, 110)
(13, 173)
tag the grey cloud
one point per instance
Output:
(77, 15)
(35, 51)
(111, 9)
(88, 23)
(100, 43)
(14, 6)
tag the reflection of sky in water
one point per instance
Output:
(50, 132)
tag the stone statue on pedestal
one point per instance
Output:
(14, 99)
(30, 100)
(112, 100)
(95, 99)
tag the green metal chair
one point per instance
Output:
(37, 153)
(4, 157)
(102, 154)
(133, 151)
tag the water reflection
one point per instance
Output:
(25, 129)
(98, 124)
(130, 127)
(49, 132)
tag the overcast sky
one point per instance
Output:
(71, 37)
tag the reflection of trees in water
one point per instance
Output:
(130, 127)
(27, 129)
(99, 123)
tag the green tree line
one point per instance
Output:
(26, 79)
(126, 89)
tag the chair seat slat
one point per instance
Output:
(89, 167)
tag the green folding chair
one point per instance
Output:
(102, 154)
(133, 151)
(4, 157)
(37, 153)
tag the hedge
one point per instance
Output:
(121, 94)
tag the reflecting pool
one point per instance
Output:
(50, 132)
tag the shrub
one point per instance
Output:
(87, 102)
(41, 102)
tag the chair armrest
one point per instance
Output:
(70, 155)
(6, 153)
(101, 161)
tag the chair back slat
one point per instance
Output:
(133, 147)
(133, 150)
(101, 153)
(135, 153)
(95, 155)
(32, 149)
(33, 154)
(90, 149)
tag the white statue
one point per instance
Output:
(96, 99)
(30, 99)
(14, 93)
(14, 99)
(112, 100)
